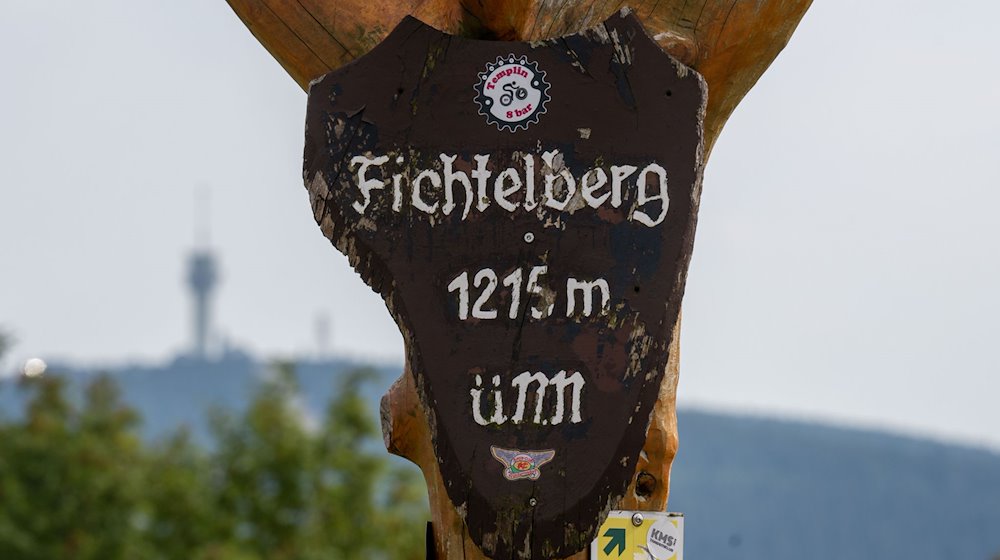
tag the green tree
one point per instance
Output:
(68, 477)
(77, 482)
(367, 507)
(181, 514)
(263, 463)
(300, 491)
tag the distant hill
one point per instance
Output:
(183, 391)
(751, 488)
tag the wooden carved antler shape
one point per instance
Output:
(729, 42)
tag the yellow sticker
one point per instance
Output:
(642, 535)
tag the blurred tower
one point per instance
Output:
(202, 280)
(322, 331)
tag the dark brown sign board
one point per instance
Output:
(527, 212)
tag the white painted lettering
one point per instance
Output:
(529, 178)
(500, 193)
(589, 188)
(490, 277)
(587, 292)
(561, 381)
(366, 186)
(537, 290)
(418, 201)
(522, 384)
(597, 187)
(461, 284)
(553, 160)
(618, 175)
(482, 176)
(541, 299)
(513, 280)
(642, 198)
(477, 411)
(450, 177)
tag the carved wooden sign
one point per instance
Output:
(527, 211)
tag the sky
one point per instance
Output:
(847, 261)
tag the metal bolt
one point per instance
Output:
(529, 237)
(532, 502)
(637, 519)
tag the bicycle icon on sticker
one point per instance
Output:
(513, 91)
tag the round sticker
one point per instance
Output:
(512, 93)
(663, 540)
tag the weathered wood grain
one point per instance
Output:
(730, 42)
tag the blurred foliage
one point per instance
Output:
(77, 482)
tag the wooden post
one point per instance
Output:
(730, 42)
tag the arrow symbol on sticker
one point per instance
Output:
(617, 541)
